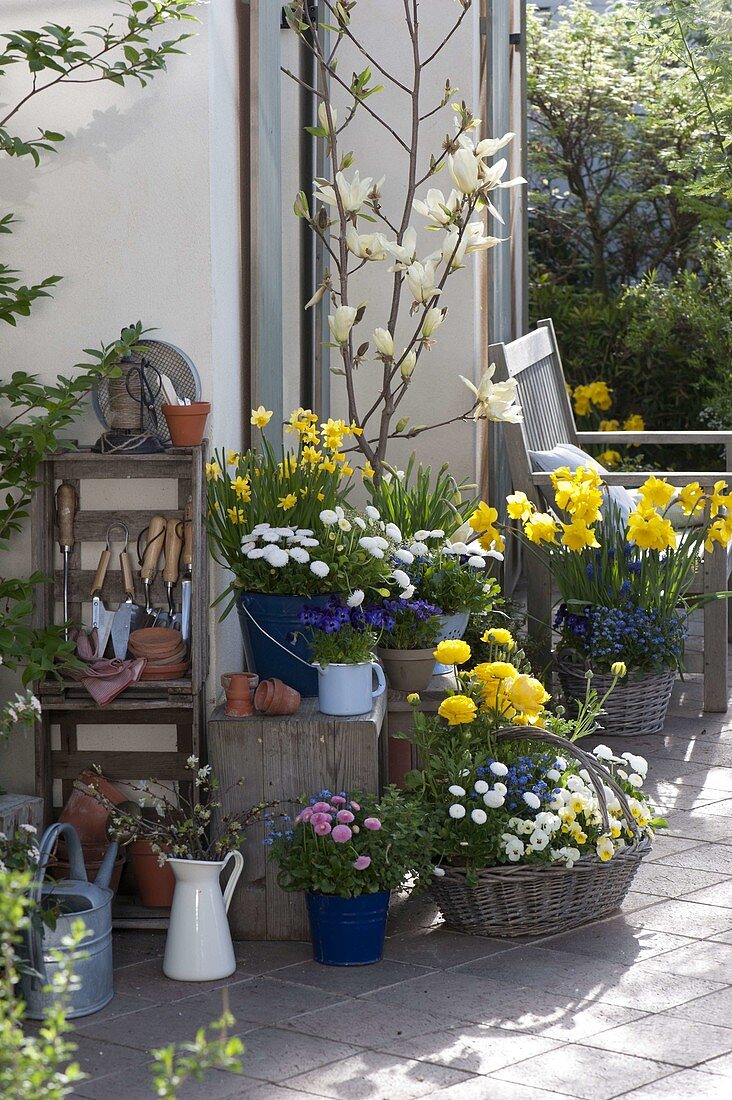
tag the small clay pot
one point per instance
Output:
(274, 697)
(239, 688)
(155, 884)
(187, 423)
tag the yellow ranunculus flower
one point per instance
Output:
(232, 458)
(261, 417)
(213, 471)
(527, 694)
(494, 670)
(413, 698)
(689, 497)
(610, 458)
(519, 506)
(236, 515)
(656, 492)
(541, 528)
(619, 669)
(242, 488)
(650, 532)
(287, 502)
(600, 395)
(578, 536)
(605, 848)
(609, 425)
(453, 651)
(497, 635)
(457, 709)
(634, 423)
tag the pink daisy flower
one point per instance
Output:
(362, 863)
(373, 824)
(338, 800)
(342, 834)
(323, 828)
(345, 817)
(355, 806)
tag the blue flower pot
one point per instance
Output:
(267, 631)
(348, 931)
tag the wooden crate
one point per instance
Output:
(20, 809)
(283, 758)
(66, 702)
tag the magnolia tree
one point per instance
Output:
(359, 228)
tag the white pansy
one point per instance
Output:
(498, 768)
(479, 816)
(436, 208)
(639, 764)
(574, 783)
(457, 790)
(514, 848)
(299, 554)
(635, 780)
(404, 555)
(495, 400)
(341, 322)
(367, 246)
(384, 342)
(328, 517)
(421, 280)
(538, 840)
(319, 568)
(456, 811)
(480, 786)
(356, 598)
(532, 801)
(493, 800)
(352, 195)
(401, 578)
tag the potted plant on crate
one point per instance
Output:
(198, 947)
(409, 632)
(533, 834)
(342, 644)
(347, 853)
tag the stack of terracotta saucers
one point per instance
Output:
(164, 650)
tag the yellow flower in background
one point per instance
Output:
(287, 467)
(354, 428)
(656, 492)
(457, 709)
(497, 635)
(605, 848)
(346, 470)
(610, 458)
(581, 398)
(261, 417)
(634, 423)
(242, 488)
(717, 498)
(494, 670)
(329, 465)
(301, 420)
(519, 506)
(236, 515)
(541, 528)
(720, 532)
(689, 497)
(368, 470)
(232, 458)
(311, 455)
(527, 694)
(213, 471)
(578, 536)
(452, 651)
(483, 522)
(492, 540)
(609, 425)
(287, 502)
(413, 698)
(600, 395)
(333, 432)
(650, 531)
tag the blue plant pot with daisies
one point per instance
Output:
(274, 643)
(348, 931)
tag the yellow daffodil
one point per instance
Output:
(458, 710)
(236, 515)
(720, 532)
(287, 502)
(541, 528)
(634, 423)
(650, 531)
(689, 497)
(582, 402)
(527, 694)
(367, 471)
(213, 471)
(656, 492)
(288, 466)
(329, 465)
(242, 488)
(354, 428)
(311, 455)
(610, 458)
(301, 420)
(333, 432)
(578, 536)
(232, 458)
(346, 470)
(483, 522)
(497, 635)
(718, 499)
(600, 395)
(519, 506)
(261, 417)
(453, 651)
(609, 425)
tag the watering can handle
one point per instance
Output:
(233, 877)
(77, 869)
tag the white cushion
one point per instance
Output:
(566, 454)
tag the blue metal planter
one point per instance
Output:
(267, 625)
(348, 931)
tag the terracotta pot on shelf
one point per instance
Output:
(187, 423)
(239, 688)
(155, 884)
(274, 697)
(88, 816)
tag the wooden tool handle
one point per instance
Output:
(173, 547)
(101, 573)
(188, 537)
(127, 579)
(65, 511)
(153, 549)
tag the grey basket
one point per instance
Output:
(637, 705)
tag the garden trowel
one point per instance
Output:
(102, 619)
(129, 615)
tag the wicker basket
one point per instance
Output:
(540, 899)
(637, 705)
(537, 899)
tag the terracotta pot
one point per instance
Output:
(88, 816)
(239, 688)
(187, 423)
(274, 697)
(59, 867)
(408, 669)
(155, 884)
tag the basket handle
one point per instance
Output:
(599, 775)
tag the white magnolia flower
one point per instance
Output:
(328, 517)
(421, 280)
(495, 400)
(404, 555)
(457, 811)
(406, 252)
(408, 363)
(356, 598)
(498, 768)
(401, 578)
(457, 790)
(433, 318)
(463, 167)
(367, 246)
(299, 554)
(475, 241)
(480, 786)
(371, 512)
(384, 342)
(319, 568)
(479, 816)
(493, 800)
(436, 208)
(532, 801)
(454, 247)
(341, 323)
(488, 147)
(353, 195)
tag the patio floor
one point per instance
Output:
(637, 1005)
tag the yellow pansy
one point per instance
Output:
(650, 531)
(527, 694)
(579, 836)
(610, 458)
(452, 651)
(236, 515)
(261, 417)
(689, 497)
(605, 848)
(498, 636)
(519, 506)
(232, 458)
(458, 710)
(578, 536)
(213, 471)
(242, 488)
(634, 423)
(368, 470)
(287, 502)
(541, 528)
(311, 455)
(656, 492)
(494, 670)
(609, 425)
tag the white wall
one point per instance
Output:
(139, 210)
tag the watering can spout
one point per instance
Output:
(104, 874)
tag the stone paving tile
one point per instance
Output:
(699, 959)
(714, 1008)
(721, 1066)
(684, 917)
(474, 1049)
(489, 1088)
(666, 1039)
(135, 1083)
(269, 1001)
(665, 845)
(579, 1071)
(100, 1057)
(253, 957)
(672, 880)
(718, 778)
(719, 809)
(372, 1023)
(130, 947)
(273, 1054)
(146, 981)
(698, 826)
(442, 949)
(668, 796)
(721, 894)
(689, 1084)
(374, 1076)
(350, 980)
(715, 858)
(585, 1020)
(617, 941)
(256, 1090)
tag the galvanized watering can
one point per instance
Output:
(77, 898)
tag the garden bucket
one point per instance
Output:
(348, 689)
(348, 931)
(77, 899)
(451, 626)
(274, 645)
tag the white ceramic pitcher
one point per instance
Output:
(199, 947)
